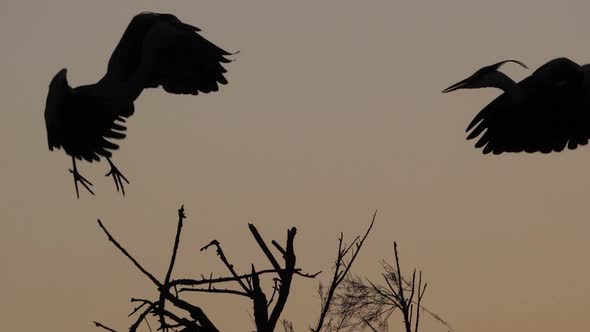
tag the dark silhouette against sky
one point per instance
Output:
(155, 50)
(545, 112)
(334, 110)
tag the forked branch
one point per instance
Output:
(266, 312)
(340, 271)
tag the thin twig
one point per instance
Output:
(97, 324)
(286, 278)
(164, 290)
(369, 325)
(206, 281)
(214, 290)
(126, 253)
(227, 264)
(264, 247)
(339, 274)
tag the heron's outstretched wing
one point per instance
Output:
(127, 56)
(184, 61)
(160, 50)
(84, 122)
(543, 113)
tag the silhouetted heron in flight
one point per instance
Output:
(155, 50)
(544, 112)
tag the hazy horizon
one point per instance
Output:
(333, 110)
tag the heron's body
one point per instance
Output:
(155, 50)
(544, 112)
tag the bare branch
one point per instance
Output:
(341, 269)
(214, 290)
(195, 312)
(266, 313)
(97, 324)
(206, 281)
(264, 247)
(164, 290)
(369, 325)
(363, 303)
(142, 317)
(260, 307)
(420, 294)
(275, 289)
(137, 308)
(229, 266)
(126, 253)
(286, 277)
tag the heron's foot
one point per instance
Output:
(117, 176)
(82, 180)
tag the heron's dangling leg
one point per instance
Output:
(117, 176)
(79, 178)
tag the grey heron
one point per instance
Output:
(155, 50)
(545, 112)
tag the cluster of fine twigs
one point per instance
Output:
(348, 303)
(363, 303)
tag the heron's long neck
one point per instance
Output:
(499, 80)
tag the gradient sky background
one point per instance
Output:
(333, 110)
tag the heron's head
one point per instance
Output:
(488, 76)
(58, 92)
(58, 88)
(60, 79)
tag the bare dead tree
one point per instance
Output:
(266, 311)
(345, 257)
(349, 302)
(362, 303)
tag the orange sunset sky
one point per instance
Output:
(333, 110)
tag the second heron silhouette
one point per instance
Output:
(544, 112)
(155, 50)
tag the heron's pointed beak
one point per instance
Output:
(457, 86)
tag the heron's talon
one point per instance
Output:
(82, 180)
(117, 176)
